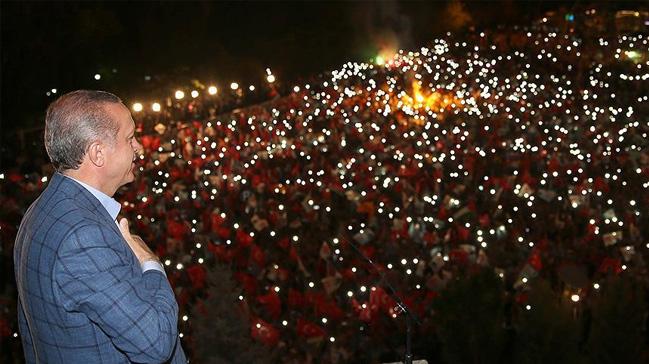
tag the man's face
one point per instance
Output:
(124, 149)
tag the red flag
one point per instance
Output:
(309, 329)
(264, 332)
(272, 303)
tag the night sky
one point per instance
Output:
(63, 44)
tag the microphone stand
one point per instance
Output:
(410, 316)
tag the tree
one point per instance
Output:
(546, 330)
(469, 315)
(221, 331)
(619, 312)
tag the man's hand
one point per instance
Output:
(137, 245)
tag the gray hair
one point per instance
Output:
(73, 122)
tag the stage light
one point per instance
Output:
(194, 94)
(212, 90)
(270, 78)
(137, 107)
(155, 107)
(234, 85)
(179, 95)
(251, 88)
(97, 76)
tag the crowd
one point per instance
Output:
(524, 150)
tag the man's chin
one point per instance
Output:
(130, 177)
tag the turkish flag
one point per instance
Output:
(264, 332)
(176, 229)
(295, 298)
(244, 239)
(197, 275)
(272, 303)
(257, 255)
(309, 329)
(535, 261)
(248, 282)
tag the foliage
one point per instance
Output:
(221, 331)
(546, 332)
(616, 335)
(469, 316)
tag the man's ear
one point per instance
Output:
(97, 153)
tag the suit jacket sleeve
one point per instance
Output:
(97, 277)
(26, 335)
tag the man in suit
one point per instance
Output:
(89, 291)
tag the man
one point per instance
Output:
(89, 291)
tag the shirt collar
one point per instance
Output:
(110, 204)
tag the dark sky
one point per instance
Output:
(63, 44)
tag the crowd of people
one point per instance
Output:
(524, 150)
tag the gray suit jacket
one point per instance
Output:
(83, 297)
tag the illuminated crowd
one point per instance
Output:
(524, 151)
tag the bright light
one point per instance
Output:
(234, 85)
(137, 107)
(179, 95)
(574, 298)
(97, 76)
(212, 90)
(155, 107)
(54, 90)
(635, 56)
(270, 78)
(194, 94)
(380, 60)
(251, 88)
